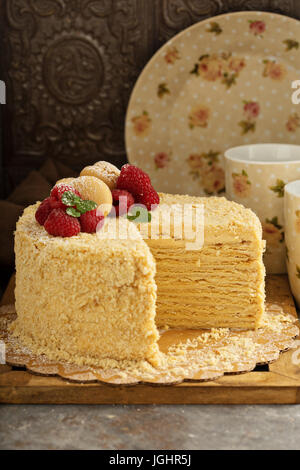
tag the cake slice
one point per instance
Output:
(218, 285)
(85, 299)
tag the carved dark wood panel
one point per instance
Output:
(70, 65)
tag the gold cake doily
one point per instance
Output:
(197, 355)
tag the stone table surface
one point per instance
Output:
(183, 427)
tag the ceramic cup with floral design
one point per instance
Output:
(256, 176)
(292, 235)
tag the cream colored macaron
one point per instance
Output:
(93, 189)
(105, 171)
(65, 181)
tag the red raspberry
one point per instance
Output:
(61, 224)
(133, 179)
(150, 197)
(89, 221)
(56, 203)
(57, 192)
(123, 208)
(43, 211)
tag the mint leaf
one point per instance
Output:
(133, 217)
(69, 198)
(85, 206)
(76, 205)
(139, 214)
(73, 212)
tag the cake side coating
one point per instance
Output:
(84, 299)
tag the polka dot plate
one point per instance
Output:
(223, 82)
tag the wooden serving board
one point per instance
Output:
(274, 383)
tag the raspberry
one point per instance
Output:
(123, 208)
(56, 203)
(43, 211)
(133, 179)
(60, 189)
(150, 197)
(60, 224)
(89, 221)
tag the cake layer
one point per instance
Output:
(219, 285)
(84, 299)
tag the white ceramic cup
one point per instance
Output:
(292, 235)
(256, 176)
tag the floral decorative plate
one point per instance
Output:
(223, 82)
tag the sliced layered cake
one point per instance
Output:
(86, 282)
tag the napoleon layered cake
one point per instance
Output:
(86, 292)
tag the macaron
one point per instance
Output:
(105, 171)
